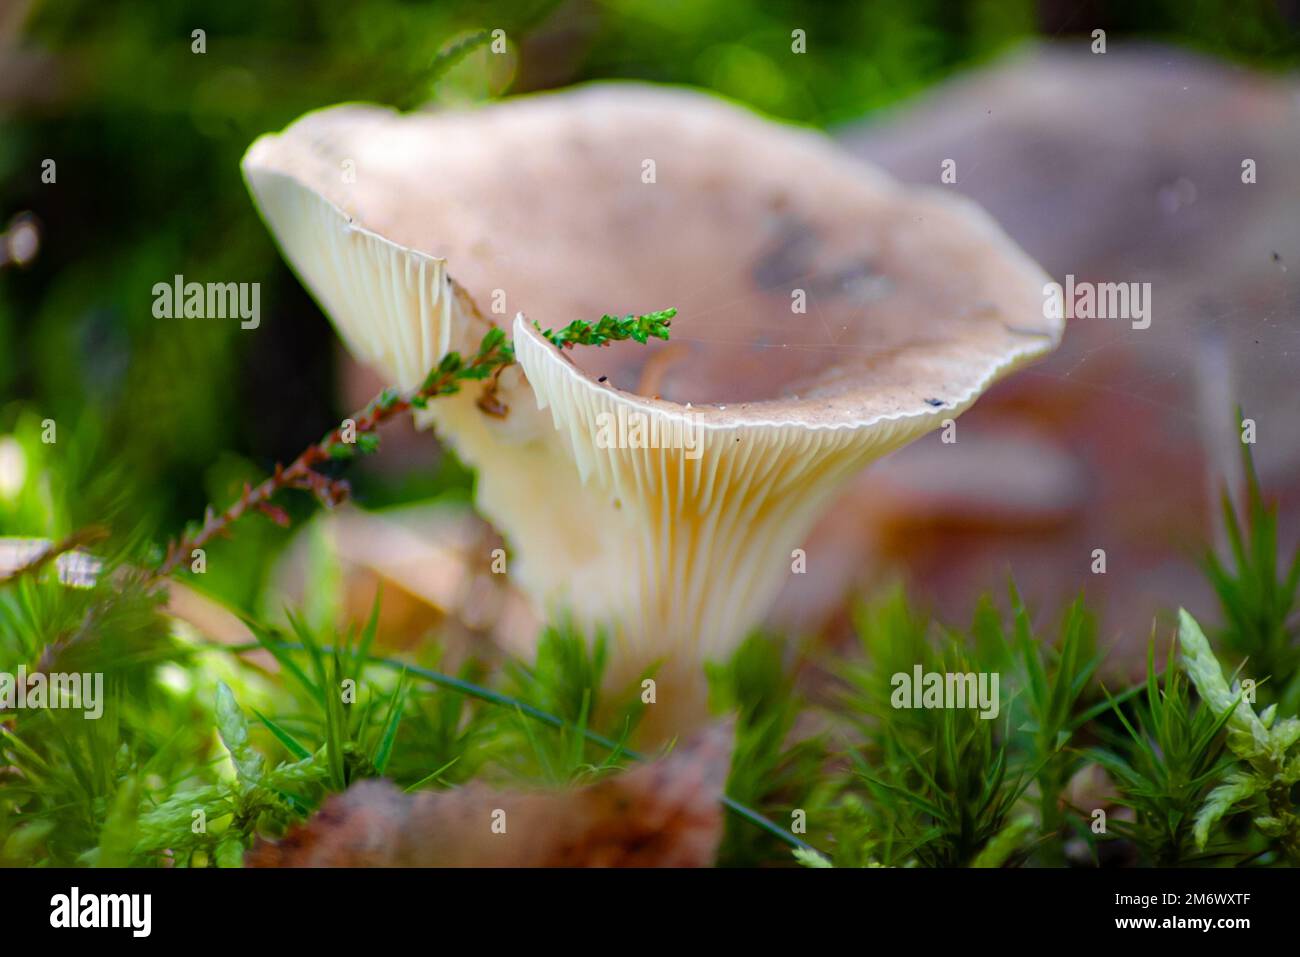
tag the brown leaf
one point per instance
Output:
(666, 813)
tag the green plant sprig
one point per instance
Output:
(1259, 596)
(1265, 746)
(609, 329)
(1164, 762)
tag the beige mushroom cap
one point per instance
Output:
(826, 315)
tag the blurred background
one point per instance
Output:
(157, 419)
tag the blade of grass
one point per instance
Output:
(283, 736)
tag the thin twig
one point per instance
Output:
(342, 443)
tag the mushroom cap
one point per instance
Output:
(915, 300)
(622, 198)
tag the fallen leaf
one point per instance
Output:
(666, 813)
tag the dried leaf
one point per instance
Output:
(666, 813)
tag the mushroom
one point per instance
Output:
(826, 315)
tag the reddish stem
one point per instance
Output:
(301, 472)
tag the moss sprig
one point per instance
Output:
(1266, 747)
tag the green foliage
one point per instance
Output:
(1258, 596)
(940, 783)
(774, 768)
(148, 785)
(609, 329)
(1048, 682)
(1006, 844)
(353, 721)
(943, 787)
(494, 352)
(944, 799)
(1265, 746)
(947, 786)
(1168, 757)
(214, 823)
(234, 735)
(565, 681)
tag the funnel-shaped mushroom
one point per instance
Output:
(825, 316)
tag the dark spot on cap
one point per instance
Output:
(934, 402)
